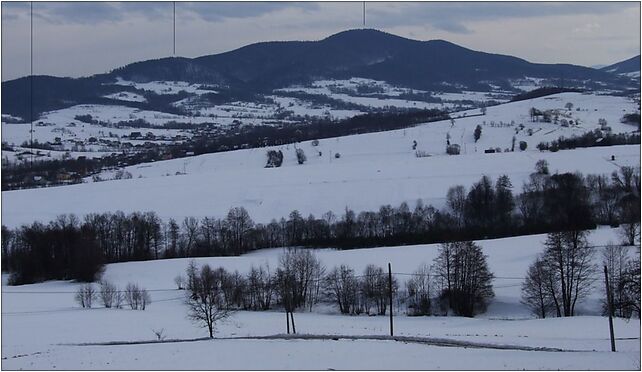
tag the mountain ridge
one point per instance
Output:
(259, 68)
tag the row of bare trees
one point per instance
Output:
(134, 296)
(300, 281)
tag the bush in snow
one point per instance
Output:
(275, 159)
(478, 132)
(422, 154)
(109, 295)
(453, 149)
(337, 155)
(137, 298)
(315, 143)
(122, 175)
(300, 156)
(85, 295)
(180, 282)
(523, 145)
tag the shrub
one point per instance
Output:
(109, 295)
(453, 149)
(137, 298)
(275, 159)
(300, 156)
(523, 145)
(85, 295)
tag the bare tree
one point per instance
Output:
(629, 285)
(190, 225)
(630, 233)
(109, 295)
(137, 298)
(342, 285)
(160, 334)
(456, 200)
(418, 289)
(465, 278)
(569, 258)
(535, 293)
(179, 280)
(239, 223)
(302, 269)
(260, 287)
(205, 302)
(614, 257)
(85, 295)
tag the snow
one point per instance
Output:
(58, 322)
(126, 96)
(374, 102)
(41, 322)
(166, 87)
(303, 108)
(383, 163)
(216, 182)
(470, 96)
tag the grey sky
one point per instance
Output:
(84, 38)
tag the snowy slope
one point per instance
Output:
(383, 163)
(58, 321)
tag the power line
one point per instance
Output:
(174, 28)
(72, 292)
(31, 78)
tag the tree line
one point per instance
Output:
(71, 248)
(590, 139)
(460, 276)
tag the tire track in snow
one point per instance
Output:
(430, 341)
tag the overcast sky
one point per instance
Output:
(84, 38)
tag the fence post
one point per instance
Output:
(287, 319)
(390, 295)
(610, 305)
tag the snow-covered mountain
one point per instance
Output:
(256, 70)
(629, 67)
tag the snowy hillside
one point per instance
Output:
(383, 163)
(48, 310)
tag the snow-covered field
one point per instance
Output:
(40, 321)
(382, 163)
(361, 181)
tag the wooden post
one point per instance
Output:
(287, 319)
(293, 326)
(610, 304)
(390, 295)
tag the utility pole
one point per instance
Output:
(293, 326)
(610, 304)
(31, 78)
(174, 28)
(390, 295)
(364, 14)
